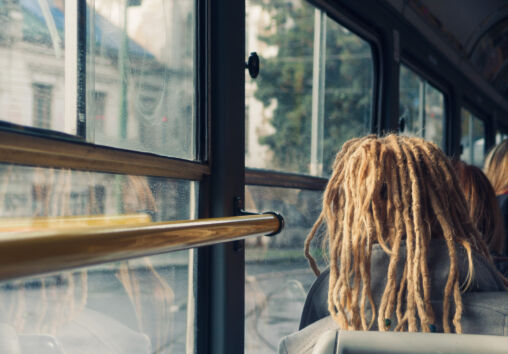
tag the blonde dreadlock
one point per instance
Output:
(393, 191)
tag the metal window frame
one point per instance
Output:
(33, 150)
(270, 178)
(220, 270)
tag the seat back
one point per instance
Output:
(484, 313)
(353, 342)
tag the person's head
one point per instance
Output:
(393, 190)
(496, 167)
(482, 204)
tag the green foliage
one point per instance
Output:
(287, 79)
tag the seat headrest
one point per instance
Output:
(356, 342)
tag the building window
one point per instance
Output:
(42, 105)
(99, 109)
(98, 200)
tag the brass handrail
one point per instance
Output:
(36, 252)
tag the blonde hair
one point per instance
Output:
(483, 207)
(496, 167)
(390, 190)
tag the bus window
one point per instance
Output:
(314, 90)
(278, 276)
(140, 84)
(139, 72)
(348, 91)
(136, 306)
(472, 138)
(434, 115)
(421, 107)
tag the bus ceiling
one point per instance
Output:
(476, 30)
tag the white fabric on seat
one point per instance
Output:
(326, 344)
(358, 342)
(485, 313)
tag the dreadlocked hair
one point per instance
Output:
(393, 191)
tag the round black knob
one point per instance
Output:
(252, 65)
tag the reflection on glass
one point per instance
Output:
(411, 96)
(130, 307)
(500, 136)
(278, 276)
(472, 139)
(44, 192)
(421, 106)
(32, 64)
(135, 306)
(314, 90)
(434, 115)
(141, 75)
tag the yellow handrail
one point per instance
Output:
(44, 223)
(37, 252)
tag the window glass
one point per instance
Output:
(32, 64)
(135, 306)
(421, 107)
(278, 275)
(140, 71)
(141, 61)
(411, 96)
(434, 115)
(472, 138)
(500, 136)
(44, 192)
(314, 90)
(348, 90)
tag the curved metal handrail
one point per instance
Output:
(50, 250)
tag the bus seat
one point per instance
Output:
(485, 314)
(369, 342)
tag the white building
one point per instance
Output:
(155, 83)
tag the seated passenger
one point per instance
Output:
(482, 204)
(401, 245)
(496, 169)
